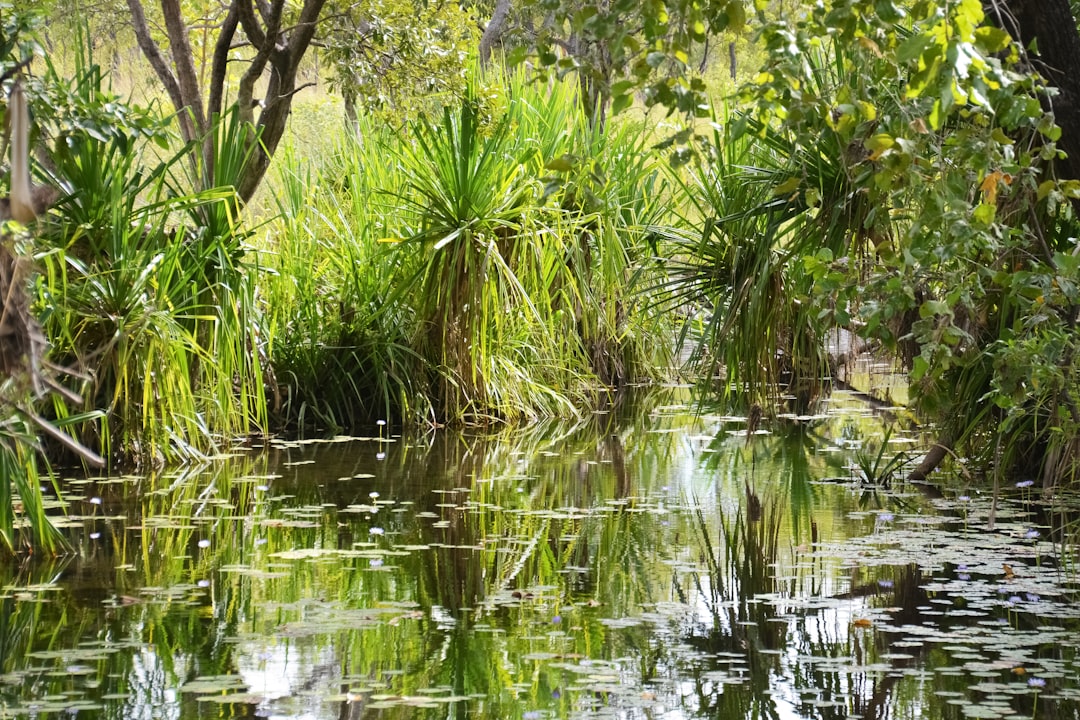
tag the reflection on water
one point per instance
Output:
(645, 563)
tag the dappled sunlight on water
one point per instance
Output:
(650, 562)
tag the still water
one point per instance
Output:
(650, 562)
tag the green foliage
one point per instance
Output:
(955, 231)
(624, 46)
(874, 466)
(395, 57)
(159, 315)
(735, 259)
(450, 285)
(469, 196)
(23, 472)
(23, 520)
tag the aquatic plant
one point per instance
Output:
(449, 285)
(735, 263)
(873, 465)
(155, 316)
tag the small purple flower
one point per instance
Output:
(964, 498)
(1013, 599)
(885, 583)
(1025, 483)
(556, 620)
(1031, 534)
(963, 576)
(1036, 682)
(885, 517)
(531, 715)
(555, 694)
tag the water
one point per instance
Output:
(646, 563)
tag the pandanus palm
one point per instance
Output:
(468, 195)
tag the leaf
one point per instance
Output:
(936, 116)
(878, 144)
(620, 103)
(989, 186)
(870, 45)
(563, 163)
(787, 187)
(991, 39)
(887, 11)
(931, 308)
(1000, 137)
(1045, 188)
(984, 214)
(913, 47)
(919, 367)
(1049, 129)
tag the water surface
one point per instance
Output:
(648, 562)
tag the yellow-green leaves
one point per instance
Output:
(878, 143)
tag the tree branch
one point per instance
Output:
(160, 65)
(219, 66)
(184, 62)
(494, 31)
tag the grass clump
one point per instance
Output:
(475, 268)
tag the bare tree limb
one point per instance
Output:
(184, 63)
(160, 65)
(219, 66)
(494, 31)
(278, 52)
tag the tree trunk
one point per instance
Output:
(493, 33)
(937, 452)
(1050, 25)
(277, 49)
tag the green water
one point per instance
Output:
(645, 563)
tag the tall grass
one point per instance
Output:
(756, 207)
(145, 293)
(474, 268)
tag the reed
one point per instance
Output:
(484, 274)
(145, 290)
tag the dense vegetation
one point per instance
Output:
(474, 243)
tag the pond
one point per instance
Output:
(648, 562)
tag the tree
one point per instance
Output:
(957, 143)
(277, 37)
(1050, 27)
(620, 47)
(495, 29)
(395, 55)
